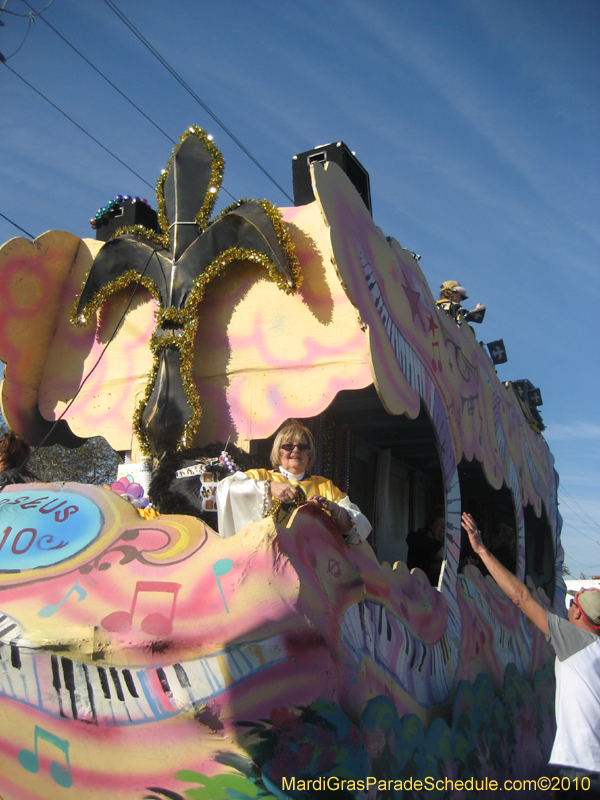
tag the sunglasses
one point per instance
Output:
(290, 446)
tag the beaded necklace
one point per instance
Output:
(282, 511)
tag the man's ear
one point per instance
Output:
(578, 615)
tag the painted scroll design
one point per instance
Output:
(165, 554)
(419, 379)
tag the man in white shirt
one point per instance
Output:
(576, 642)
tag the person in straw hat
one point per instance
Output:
(452, 295)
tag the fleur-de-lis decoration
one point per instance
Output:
(175, 266)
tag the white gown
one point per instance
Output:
(240, 499)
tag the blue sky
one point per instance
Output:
(477, 121)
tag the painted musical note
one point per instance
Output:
(155, 623)
(220, 568)
(30, 761)
(435, 366)
(48, 611)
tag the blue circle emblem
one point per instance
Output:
(39, 529)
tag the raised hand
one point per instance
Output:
(474, 533)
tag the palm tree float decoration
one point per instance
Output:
(175, 266)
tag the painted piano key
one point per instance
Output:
(426, 671)
(90, 693)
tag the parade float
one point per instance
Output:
(142, 655)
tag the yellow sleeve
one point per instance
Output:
(258, 474)
(328, 489)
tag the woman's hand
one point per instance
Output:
(323, 502)
(341, 517)
(283, 492)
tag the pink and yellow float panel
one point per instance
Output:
(138, 655)
(155, 659)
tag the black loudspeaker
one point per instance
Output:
(527, 392)
(121, 212)
(531, 397)
(340, 155)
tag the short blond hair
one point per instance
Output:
(293, 432)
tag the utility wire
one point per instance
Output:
(93, 138)
(190, 91)
(110, 83)
(567, 517)
(16, 226)
(33, 13)
(4, 59)
(102, 75)
(579, 531)
(592, 521)
(581, 564)
(567, 512)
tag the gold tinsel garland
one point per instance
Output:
(184, 342)
(170, 314)
(284, 238)
(187, 317)
(131, 276)
(216, 178)
(138, 428)
(146, 233)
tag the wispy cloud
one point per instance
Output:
(580, 535)
(575, 430)
(509, 129)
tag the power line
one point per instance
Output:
(580, 532)
(592, 521)
(581, 564)
(102, 75)
(190, 91)
(93, 138)
(572, 526)
(568, 522)
(110, 83)
(30, 16)
(14, 53)
(16, 226)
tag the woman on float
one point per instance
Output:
(247, 497)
